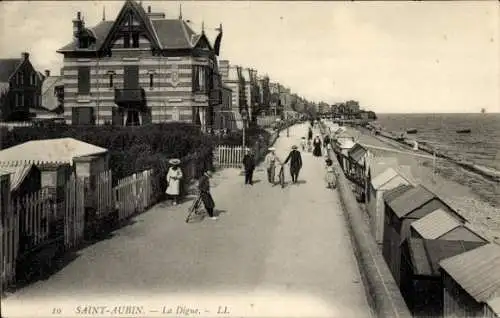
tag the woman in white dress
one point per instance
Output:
(174, 176)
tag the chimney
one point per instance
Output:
(47, 73)
(77, 24)
(25, 55)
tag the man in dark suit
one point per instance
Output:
(295, 163)
(249, 166)
(206, 197)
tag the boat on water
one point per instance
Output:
(411, 131)
(463, 131)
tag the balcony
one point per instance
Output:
(130, 98)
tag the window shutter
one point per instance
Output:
(84, 80)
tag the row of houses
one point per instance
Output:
(443, 266)
(140, 68)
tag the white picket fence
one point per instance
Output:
(16, 124)
(9, 248)
(266, 121)
(74, 213)
(133, 194)
(229, 156)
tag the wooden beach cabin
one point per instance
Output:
(62, 159)
(387, 180)
(421, 284)
(404, 205)
(342, 144)
(441, 225)
(472, 282)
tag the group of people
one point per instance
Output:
(272, 161)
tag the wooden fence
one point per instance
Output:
(229, 156)
(133, 194)
(29, 221)
(266, 121)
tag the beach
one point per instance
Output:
(472, 195)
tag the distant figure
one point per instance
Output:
(303, 143)
(271, 160)
(331, 178)
(174, 176)
(248, 166)
(310, 134)
(206, 197)
(295, 163)
(317, 146)
(326, 141)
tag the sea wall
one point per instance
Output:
(382, 290)
(468, 165)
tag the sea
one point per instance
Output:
(481, 145)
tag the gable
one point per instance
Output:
(203, 43)
(131, 20)
(461, 233)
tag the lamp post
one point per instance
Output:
(244, 117)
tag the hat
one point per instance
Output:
(271, 149)
(294, 147)
(174, 161)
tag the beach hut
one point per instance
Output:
(342, 144)
(421, 284)
(441, 225)
(472, 282)
(387, 180)
(402, 206)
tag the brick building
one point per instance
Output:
(140, 68)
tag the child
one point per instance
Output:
(303, 143)
(331, 178)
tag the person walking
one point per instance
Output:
(317, 146)
(295, 163)
(331, 177)
(310, 133)
(206, 197)
(249, 166)
(174, 176)
(270, 161)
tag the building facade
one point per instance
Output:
(20, 87)
(140, 68)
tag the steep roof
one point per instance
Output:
(60, 150)
(476, 271)
(170, 33)
(7, 68)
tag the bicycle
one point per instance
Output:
(281, 177)
(195, 208)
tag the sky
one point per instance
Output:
(393, 57)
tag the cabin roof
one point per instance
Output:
(436, 224)
(396, 192)
(410, 200)
(357, 152)
(60, 150)
(425, 255)
(476, 271)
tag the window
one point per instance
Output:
(82, 116)
(135, 40)
(33, 79)
(20, 79)
(83, 80)
(151, 80)
(126, 40)
(19, 99)
(200, 77)
(111, 76)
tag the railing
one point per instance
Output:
(130, 98)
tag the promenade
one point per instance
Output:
(273, 252)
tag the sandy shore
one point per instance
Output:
(475, 197)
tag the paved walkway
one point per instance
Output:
(273, 252)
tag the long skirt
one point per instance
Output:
(317, 150)
(208, 202)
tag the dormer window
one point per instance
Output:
(130, 35)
